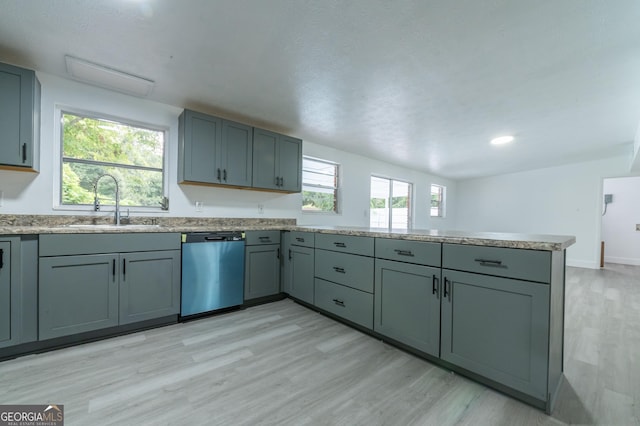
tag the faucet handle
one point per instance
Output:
(96, 204)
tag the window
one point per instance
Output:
(390, 205)
(437, 200)
(91, 147)
(319, 185)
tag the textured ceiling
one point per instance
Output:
(425, 84)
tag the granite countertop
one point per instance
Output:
(23, 224)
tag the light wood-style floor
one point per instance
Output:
(284, 364)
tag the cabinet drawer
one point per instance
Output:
(348, 269)
(254, 238)
(531, 265)
(353, 305)
(418, 252)
(304, 239)
(345, 243)
(81, 244)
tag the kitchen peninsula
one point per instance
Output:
(487, 305)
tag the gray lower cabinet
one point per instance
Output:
(407, 304)
(298, 265)
(148, 285)
(77, 294)
(6, 332)
(19, 118)
(261, 271)
(346, 302)
(497, 328)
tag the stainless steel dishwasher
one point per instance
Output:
(212, 273)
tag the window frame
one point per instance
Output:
(107, 207)
(442, 203)
(337, 202)
(389, 200)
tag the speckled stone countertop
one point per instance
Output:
(59, 224)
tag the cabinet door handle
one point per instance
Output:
(277, 181)
(404, 252)
(124, 267)
(224, 175)
(24, 152)
(281, 181)
(339, 270)
(488, 262)
(218, 174)
(278, 253)
(434, 285)
(1, 258)
(446, 292)
(113, 267)
(289, 254)
(338, 302)
(339, 244)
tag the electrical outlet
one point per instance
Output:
(260, 208)
(199, 206)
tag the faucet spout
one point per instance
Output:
(97, 201)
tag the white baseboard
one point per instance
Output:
(622, 260)
(583, 264)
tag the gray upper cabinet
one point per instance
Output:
(277, 161)
(213, 150)
(19, 118)
(77, 294)
(497, 328)
(148, 285)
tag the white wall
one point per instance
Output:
(622, 241)
(355, 175)
(31, 193)
(563, 200)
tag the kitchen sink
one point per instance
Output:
(110, 226)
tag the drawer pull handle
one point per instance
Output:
(434, 285)
(338, 244)
(339, 270)
(264, 238)
(338, 302)
(300, 240)
(404, 252)
(487, 262)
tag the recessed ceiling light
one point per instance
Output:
(501, 140)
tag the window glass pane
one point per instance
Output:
(379, 207)
(319, 185)
(390, 203)
(92, 147)
(437, 201)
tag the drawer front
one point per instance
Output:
(70, 244)
(531, 265)
(304, 239)
(345, 243)
(254, 238)
(353, 305)
(347, 269)
(418, 252)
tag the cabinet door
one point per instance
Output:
(498, 328)
(5, 293)
(77, 294)
(236, 153)
(261, 271)
(407, 304)
(290, 164)
(149, 285)
(201, 135)
(265, 151)
(17, 111)
(301, 264)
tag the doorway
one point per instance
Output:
(621, 220)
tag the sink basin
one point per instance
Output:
(110, 226)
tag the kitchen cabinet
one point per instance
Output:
(262, 264)
(344, 279)
(85, 292)
(407, 293)
(5, 293)
(277, 161)
(19, 118)
(214, 151)
(298, 269)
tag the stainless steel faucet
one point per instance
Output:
(96, 201)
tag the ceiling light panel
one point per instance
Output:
(108, 78)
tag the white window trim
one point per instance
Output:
(57, 162)
(338, 211)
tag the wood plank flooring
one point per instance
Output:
(283, 364)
